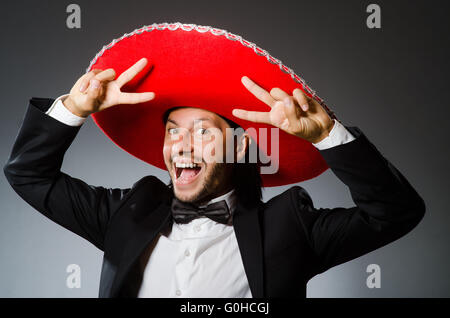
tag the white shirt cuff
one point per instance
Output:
(338, 135)
(62, 114)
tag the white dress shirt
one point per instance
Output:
(197, 259)
(200, 258)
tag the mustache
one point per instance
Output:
(195, 159)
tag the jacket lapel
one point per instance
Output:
(248, 234)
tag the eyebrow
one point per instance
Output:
(202, 119)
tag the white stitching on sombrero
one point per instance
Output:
(218, 32)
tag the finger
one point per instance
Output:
(130, 73)
(135, 98)
(84, 81)
(301, 98)
(258, 91)
(94, 89)
(106, 75)
(278, 93)
(290, 111)
(256, 117)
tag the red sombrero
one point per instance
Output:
(199, 66)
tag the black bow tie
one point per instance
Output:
(184, 212)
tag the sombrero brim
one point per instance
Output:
(199, 66)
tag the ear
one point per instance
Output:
(243, 145)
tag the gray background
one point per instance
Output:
(392, 83)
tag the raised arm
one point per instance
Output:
(34, 166)
(387, 206)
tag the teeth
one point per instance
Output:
(186, 165)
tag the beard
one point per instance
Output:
(213, 183)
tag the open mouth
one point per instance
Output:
(186, 173)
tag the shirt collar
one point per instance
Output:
(229, 197)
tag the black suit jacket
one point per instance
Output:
(283, 242)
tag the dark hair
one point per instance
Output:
(246, 179)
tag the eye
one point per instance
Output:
(202, 131)
(172, 131)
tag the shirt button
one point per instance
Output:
(187, 253)
(197, 228)
(178, 292)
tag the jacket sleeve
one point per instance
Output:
(34, 172)
(387, 206)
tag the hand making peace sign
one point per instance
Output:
(298, 115)
(97, 90)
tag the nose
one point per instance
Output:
(184, 145)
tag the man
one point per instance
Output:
(206, 235)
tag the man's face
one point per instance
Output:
(195, 154)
